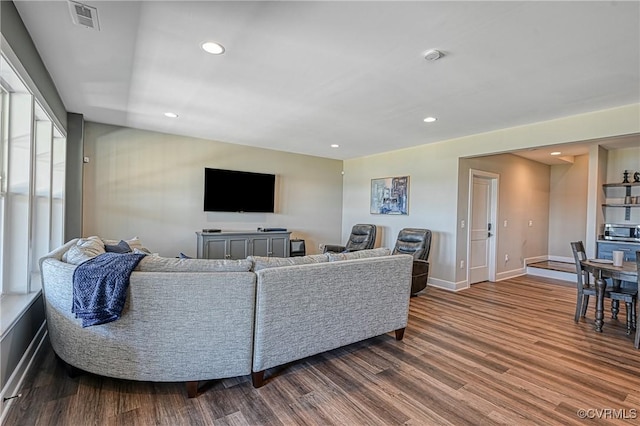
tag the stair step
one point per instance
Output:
(555, 266)
(553, 269)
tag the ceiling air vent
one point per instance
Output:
(83, 15)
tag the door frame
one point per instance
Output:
(495, 185)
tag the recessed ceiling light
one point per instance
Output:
(430, 119)
(556, 153)
(213, 47)
(433, 55)
(171, 114)
(335, 145)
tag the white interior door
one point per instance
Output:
(482, 228)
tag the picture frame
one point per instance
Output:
(390, 195)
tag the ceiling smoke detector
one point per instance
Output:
(83, 15)
(433, 55)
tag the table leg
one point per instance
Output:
(600, 287)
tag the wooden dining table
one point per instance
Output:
(602, 269)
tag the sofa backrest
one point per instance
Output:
(171, 264)
(303, 310)
(262, 262)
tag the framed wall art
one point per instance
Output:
(390, 195)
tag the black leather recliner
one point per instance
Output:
(417, 243)
(363, 237)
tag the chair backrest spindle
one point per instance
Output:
(579, 254)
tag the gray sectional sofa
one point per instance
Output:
(190, 320)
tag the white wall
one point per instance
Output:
(150, 185)
(523, 196)
(568, 206)
(621, 160)
(433, 171)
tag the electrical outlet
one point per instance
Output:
(505, 223)
(462, 224)
(530, 223)
(506, 257)
(462, 264)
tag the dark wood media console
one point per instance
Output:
(240, 244)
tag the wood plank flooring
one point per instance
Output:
(498, 353)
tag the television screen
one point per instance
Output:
(236, 191)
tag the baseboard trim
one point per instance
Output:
(448, 285)
(510, 274)
(535, 259)
(562, 259)
(15, 381)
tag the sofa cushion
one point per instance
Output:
(83, 250)
(360, 254)
(262, 262)
(121, 247)
(170, 264)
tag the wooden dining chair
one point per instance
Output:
(586, 288)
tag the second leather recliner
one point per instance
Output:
(416, 242)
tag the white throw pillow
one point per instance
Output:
(83, 250)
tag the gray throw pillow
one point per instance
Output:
(134, 242)
(121, 247)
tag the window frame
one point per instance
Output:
(32, 139)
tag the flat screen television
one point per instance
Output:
(237, 191)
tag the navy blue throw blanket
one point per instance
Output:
(100, 287)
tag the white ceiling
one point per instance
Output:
(299, 76)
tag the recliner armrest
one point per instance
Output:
(420, 267)
(333, 248)
(419, 275)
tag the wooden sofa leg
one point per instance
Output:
(192, 389)
(257, 378)
(400, 333)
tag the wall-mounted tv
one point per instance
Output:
(237, 191)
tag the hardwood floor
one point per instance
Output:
(498, 353)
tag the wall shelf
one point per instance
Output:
(628, 190)
(620, 185)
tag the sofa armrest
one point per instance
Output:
(334, 248)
